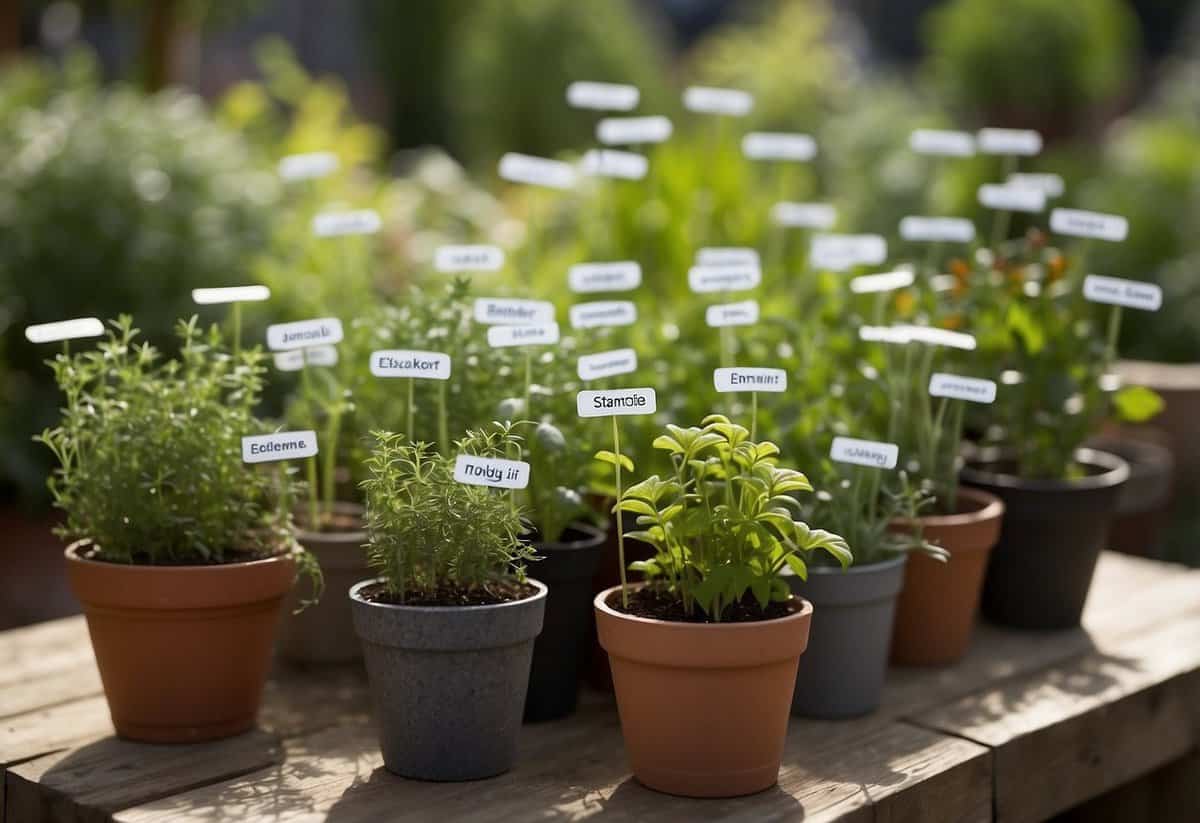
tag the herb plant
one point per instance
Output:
(556, 469)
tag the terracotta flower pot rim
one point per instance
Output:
(542, 589)
(599, 602)
(71, 552)
(1115, 472)
(991, 508)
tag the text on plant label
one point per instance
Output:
(974, 389)
(468, 258)
(727, 256)
(429, 365)
(739, 379)
(536, 171)
(1079, 223)
(884, 281)
(838, 252)
(621, 165)
(1009, 197)
(603, 314)
(495, 472)
(1049, 184)
(75, 329)
(606, 364)
(340, 223)
(942, 142)
(864, 452)
(744, 313)
(502, 310)
(295, 359)
(804, 215)
(268, 448)
(322, 331)
(710, 100)
(308, 166)
(230, 294)
(937, 229)
(540, 334)
(1117, 291)
(1014, 142)
(938, 337)
(762, 145)
(703, 279)
(585, 278)
(609, 402)
(586, 94)
(630, 131)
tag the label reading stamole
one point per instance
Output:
(269, 448)
(621, 275)
(427, 365)
(76, 329)
(864, 452)
(804, 215)
(1015, 142)
(586, 94)
(1079, 223)
(953, 386)
(704, 279)
(744, 313)
(308, 166)
(468, 258)
(632, 131)
(937, 229)
(621, 165)
(230, 294)
(606, 364)
(536, 171)
(610, 402)
(884, 281)
(1117, 291)
(709, 100)
(727, 256)
(341, 223)
(304, 333)
(738, 379)
(295, 359)
(764, 145)
(940, 142)
(603, 314)
(491, 471)
(494, 311)
(1008, 197)
(542, 334)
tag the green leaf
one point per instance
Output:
(611, 459)
(797, 565)
(636, 506)
(650, 568)
(1137, 404)
(1021, 323)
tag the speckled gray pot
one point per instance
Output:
(448, 683)
(842, 672)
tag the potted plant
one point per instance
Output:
(183, 553)
(448, 627)
(704, 653)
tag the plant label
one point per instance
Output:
(324, 331)
(709, 100)
(972, 389)
(269, 448)
(703, 279)
(804, 215)
(884, 334)
(940, 142)
(1012, 142)
(606, 364)
(938, 337)
(1078, 223)
(732, 314)
(745, 379)
(884, 281)
(838, 252)
(468, 258)
(937, 229)
(585, 278)
(1009, 197)
(342, 223)
(1117, 291)
(864, 452)
(493, 311)
(231, 294)
(540, 334)
(308, 166)
(585, 94)
(763, 145)
(611, 402)
(64, 330)
(621, 165)
(295, 359)
(631, 131)
(603, 314)
(428, 365)
(536, 171)
(491, 471)
(1049, 184)
(727, 256)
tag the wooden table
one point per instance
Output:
(1029, 725)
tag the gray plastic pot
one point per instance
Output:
(841, 674)
(448, 683)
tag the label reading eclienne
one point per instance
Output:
(541, 334)
(1117, 291)
(738, 379)
(494, 311)
(744, 313)
(323, 331)
(491, 471)
(428, 365)
(468, 258)
(609, 402)
(622, 275)
(606, 364)
(864, 452)
(268, 448)
(603, 314)
(955, 387)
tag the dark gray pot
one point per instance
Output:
(448, 683)
(841, 673)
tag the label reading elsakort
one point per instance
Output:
(1009, 197)
(491, 471)
(586, 94)
(942, 143)
(536, 171)
(308, 166)
(703, 279)
(804, 215)
(230, 294)
(727, 256)
(1015, 142)
(765, 145)
(268, 448)
(1049, 184)
(541, 334)
(623, 275)
(864, 452)
(838, 252)
(884, 281)
(1117, 291)
(468, 258)
(606, 364)
(294, 359)
(1078, 223)
(709, 100)
(340, 223)
(429, 365)
(953, 386)
(609, 402)
(324, 331)
(621, 165)
(494, 311)
(744, 313)
(738, 379)
(75, 329)
(603, 314)
(631, 131)
(937, 229)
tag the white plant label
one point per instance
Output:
(1078, 223)
(864, 452)
(766, 145)
(324, 331)
(295, 359)
(585, 94)
(586, 278)
(1016, 142)
(468, 258)
(1117, 291)
(541, 334)
(843, 251)
(709, 100)
(606, 364)
(732, 314)
(269, 448)
(64, 330)
(342, 223)
(804, 215)
(884, 281)
(972, 389)
(308, 166)
(739, 379)
(491, 471)
(940, 142)
(727, 256)
(603, 314)
(937, 229)
(631, 131)
(231, 294)
(611, 402)
(938, 337)
(1051, 185)
(536, 171)
(621, 165)
(1009, 197)
(884, 334)
(493, 311)
(702, 279)
(428, 365)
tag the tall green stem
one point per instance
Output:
(412, 435)
(753, 417)
(528, 384)
(310, 464)
(620, 525)
(443, 425)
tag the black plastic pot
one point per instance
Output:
(564, 645)
(1039, 573)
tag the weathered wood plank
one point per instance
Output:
(46, 664)
(1170, 794)
(53, 729)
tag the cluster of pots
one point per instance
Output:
(184, 651)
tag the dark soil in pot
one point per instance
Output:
(564, 646)
(1053, 532)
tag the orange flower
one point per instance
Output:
(959, 268)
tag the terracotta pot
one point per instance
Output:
(937, 606)
(704, 706)
(183, 651)
(323, 633)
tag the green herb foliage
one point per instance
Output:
(556, 467)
